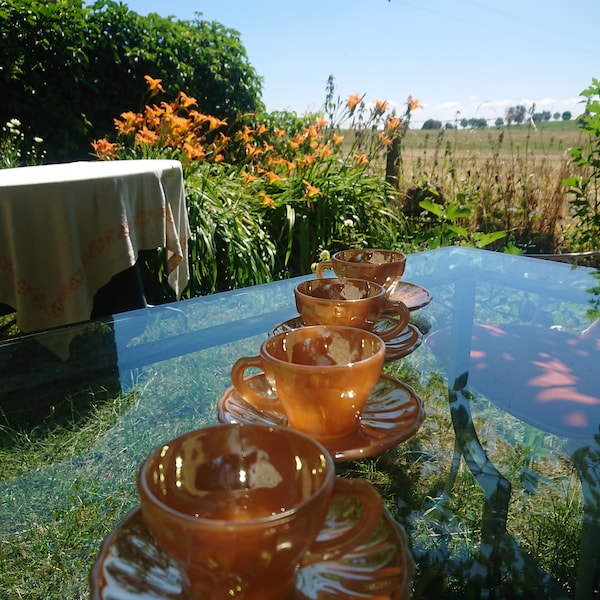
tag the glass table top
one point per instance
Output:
(498, 490)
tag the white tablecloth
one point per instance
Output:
(67, 229)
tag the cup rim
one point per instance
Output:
(151, 498)
(337, 257)
(327, 280)
(364, 332)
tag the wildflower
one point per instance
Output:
(193, 150)
(337, 139)
(352, 102)
(104, 149)
(154, 85)
(243, 134)
(310, 190)
(361, 159)
(325, 255)
(272, 177)
(215, 123)
(413, 103)
(186, 101)
(311, 132)
(348, 223)
(37, 139)
(325, 151)
(321, 122)
(13, 124)
(146, 136)
(129, 123)
(262, 128)
(266, 200)
(385, 140)
(392, 123)
(380, 107)
(248, 177)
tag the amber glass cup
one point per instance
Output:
(239, 508)
(350, 302)
(384, 267)
(321, 375)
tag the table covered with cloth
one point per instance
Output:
(67, 229)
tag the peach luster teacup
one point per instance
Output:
(239, 508)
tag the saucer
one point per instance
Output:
(414, 296)
(393, 413)
(399, 347)
(131, 565)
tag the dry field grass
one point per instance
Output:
(511, 178)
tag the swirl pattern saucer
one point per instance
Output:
(414, 296)
(399, 347)
(393, 413)
(131, 565)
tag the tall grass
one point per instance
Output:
(509, 178)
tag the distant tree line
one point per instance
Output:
(515, 115)
(67, 71)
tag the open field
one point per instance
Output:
(551, 139)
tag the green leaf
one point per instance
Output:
(454, 212)
(432, 207)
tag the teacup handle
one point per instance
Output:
(332, 548)
(323, 266)
(241, 384)
(400, 309)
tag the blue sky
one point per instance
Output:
(471, 58)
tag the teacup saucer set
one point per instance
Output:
(252, 508)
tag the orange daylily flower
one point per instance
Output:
(361, 159)
(193, 151)
(279, 132)
(154, 85)
(186, 101)
(380, 107)
(325, 151)
(266, 200)
(321, 123)
(129, 124)
(337, 139)
(248, 177)
(310, 190)
(214, 122)
(385, 140)
(392, 123)
(311, 132)
(146, 136)
(243, 134)
(413, 103)
(272, 177)
(262, 128)
(352, 102)
(104, 149)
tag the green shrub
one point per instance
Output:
(65, 71)
(585, 187)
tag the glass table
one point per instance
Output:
(498, 490)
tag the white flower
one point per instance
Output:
(324, 255)
(38, 140)
(348, 223)
(13, 123)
